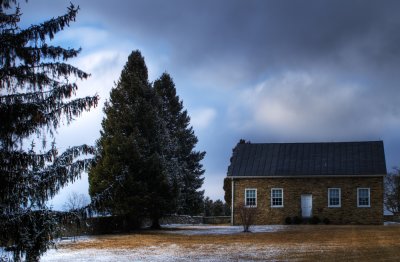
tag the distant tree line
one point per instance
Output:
(216, 208)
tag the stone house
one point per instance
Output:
(339, 181)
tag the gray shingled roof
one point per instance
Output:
(308, 159)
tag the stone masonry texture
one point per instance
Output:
(293, 188)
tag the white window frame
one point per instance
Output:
(272, 189)
(245, 197)
(369, 197)
(329, 197)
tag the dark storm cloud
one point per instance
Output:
(258, 37)
(263, 34)
(355, 45)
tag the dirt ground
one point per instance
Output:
(282, 243)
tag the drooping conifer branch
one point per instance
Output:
(35, 98)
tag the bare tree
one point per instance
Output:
(247, 216)
(75, 205)
(392, 192)
(75, 201)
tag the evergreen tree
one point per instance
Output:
(208, 207)
(218, 208)
(35, 97)
(132, 168)
(215, 208)
(228, 191)
(188, 176)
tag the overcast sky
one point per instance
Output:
(264, 71)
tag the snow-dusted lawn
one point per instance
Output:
(216, 230)
(226, 243)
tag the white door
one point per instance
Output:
(306, 205)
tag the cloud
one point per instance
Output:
(202, 118)
(310, 106)
(268, 71)
(259, 35)
(103, 63)
(87, 36)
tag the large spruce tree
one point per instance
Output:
(146, 165)
(35, 98)
(188, 175)
(132, 174)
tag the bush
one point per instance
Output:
(247, 216)
(288, 220)
(315, 220)
(326, 221)
(296, 220)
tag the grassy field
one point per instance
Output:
(289, 243)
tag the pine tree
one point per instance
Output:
(131, 169)
(35, 98)
(188, 176)
(228, 191)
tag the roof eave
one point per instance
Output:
(309, 176)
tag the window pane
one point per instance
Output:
(363, 197)
(334, 201)
(334, 197)
(251, 197)
(276, 193)
(277, 197)
(363, 192)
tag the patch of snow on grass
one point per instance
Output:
(217, 230)
(74, 239)
(164, 253)
(167, 253)
(153, 253)
(387, 223)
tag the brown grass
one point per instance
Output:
(299, 243)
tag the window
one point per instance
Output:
(334, 197)
(251, 197)
(363, 197)
(276, 197)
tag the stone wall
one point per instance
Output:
(293, 188)
(392, 218)
(117, 224)
(217, 220)
(181, 219)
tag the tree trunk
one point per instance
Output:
(155, 224)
